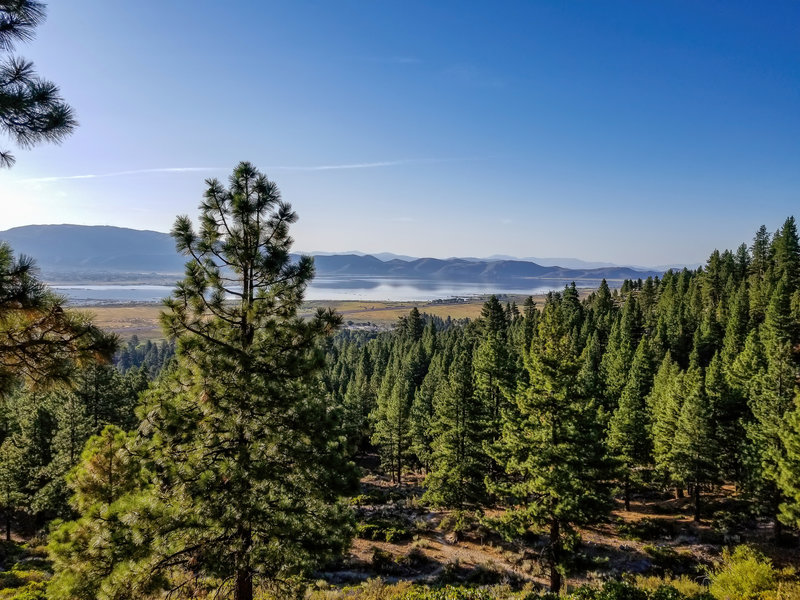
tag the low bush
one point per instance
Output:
(667, 560)
(459, 522)
(385, 528)
(743, 574)
(646, 529)
(383, 562)
(673, 588)
(32, 591)
(414, 559)
(448, 593)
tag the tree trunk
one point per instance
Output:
(776, 510)
(244, 586)
(678, 492)
(8, 526)
(627, 494)
(696, 491)
(555, 556)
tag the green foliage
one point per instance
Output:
(646, 529)
(459, 462)
(743, 574)
(694, 447)
(31, 109)
(385, 528)
(789, 468)
(26, 576)
(628, 437)
(459, 522)
(244, 457)
(447, 593)
(672, 588)
(86, 552)
(557, 460)
(40, 342)
(668, 560)
(392, 414)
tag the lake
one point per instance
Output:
(329, 288)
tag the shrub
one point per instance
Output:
(451, 571)
(668, 560)
(387, 528)
(32, 591)
(447, 593)
(646, 529)
(485, 574)
(744, 574)
(611, 590)
(382, 561)
(415, 559)
(666, 588)
(459, 522)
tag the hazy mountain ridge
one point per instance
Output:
(61, 250)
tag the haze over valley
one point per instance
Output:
(114, 264)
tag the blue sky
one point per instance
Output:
(634, 132)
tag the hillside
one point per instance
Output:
(78, 251)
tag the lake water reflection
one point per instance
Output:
(331, 288)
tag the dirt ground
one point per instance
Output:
(673, 545)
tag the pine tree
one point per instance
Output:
(359, 400)
(91, 555)
(31, 109)
(423, 410)
(530, 314)
(629, 437)
(786, 254)
(239, 434)
(392, 417)
(494, 377)
(770, 391)
(665, 402)
(728, 413)
(557, 463)
(100, 389)
(493, 317)
(761, 274)
(737, 326)
(12, 498)
(789, 467)
(459, 462)
(693, 458)
(40, 341)
(618, 357)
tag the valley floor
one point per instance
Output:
(142, 319)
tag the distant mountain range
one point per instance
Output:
(569, 263)
(78, 251)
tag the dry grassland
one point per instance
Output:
(142, 319)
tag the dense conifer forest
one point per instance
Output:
(633, 441)
(536, 420)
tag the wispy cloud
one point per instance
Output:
(120, 174)
(330, 167)
(364, 165)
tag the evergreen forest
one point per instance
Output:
(636, 440)
(247, 453)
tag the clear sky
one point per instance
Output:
(635, 132)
